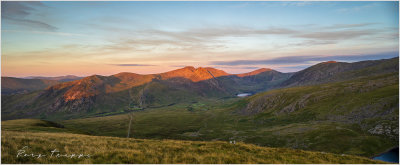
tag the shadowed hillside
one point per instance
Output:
(333, 71)
(59, 78)
(11, 85)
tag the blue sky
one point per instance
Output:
(85, 38)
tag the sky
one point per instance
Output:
(108, 37)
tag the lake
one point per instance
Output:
(243, 94)
(391, 156)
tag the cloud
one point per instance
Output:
(340, 26)
(30, 23)
(298, 4)
(221, 67)
(337, 35)
(308, 59)
(357, 8)
(44, 32)
(214, 38)
(17, 13)
(235, 67)
(234, 31)
(196, 39)
(19, 9)
(299, 67)
(313, 43)
(132, 65)
(178, 66)
(249, 67)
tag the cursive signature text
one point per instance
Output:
(23, 152)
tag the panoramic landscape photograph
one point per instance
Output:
(199, 82)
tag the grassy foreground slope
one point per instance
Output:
(127, 150)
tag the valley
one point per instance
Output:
(312, 127)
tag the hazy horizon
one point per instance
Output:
(105, 38)
(32, 76)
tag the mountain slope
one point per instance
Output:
(252, 73)
(11, 85)
(332, 71)
(58, 78)
(194, 74)
(349, 101)
(256, 81)
(365, 106)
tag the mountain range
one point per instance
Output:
(99, 94)
(58, 78)
(129, 91)
(13, 85)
